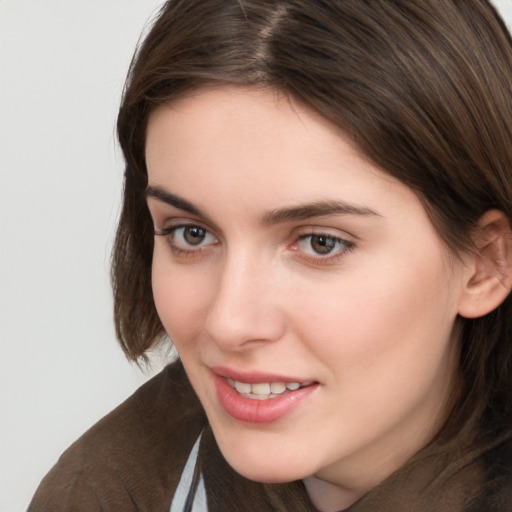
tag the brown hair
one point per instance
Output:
(423, 87)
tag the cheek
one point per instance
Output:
(180, 299)
(384, 319)
(384, 341)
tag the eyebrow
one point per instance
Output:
(316, 209)
(281, 215)
(173, 200)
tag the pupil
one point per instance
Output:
(194, 235)
(322, 244)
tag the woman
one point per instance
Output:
(317, 208)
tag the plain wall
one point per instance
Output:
(62, 70)
(62, 67)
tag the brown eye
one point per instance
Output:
(194, 235)
(188, 238)
(323, 244)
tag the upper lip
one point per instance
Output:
(254, 377)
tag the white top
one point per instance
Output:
(185, 486)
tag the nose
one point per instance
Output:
(245, 309)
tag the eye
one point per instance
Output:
(321, 245)
(191, 235)
(187, 238)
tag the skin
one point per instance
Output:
(371, 322)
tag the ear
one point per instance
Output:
(488, 279)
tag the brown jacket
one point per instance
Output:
(132, 460)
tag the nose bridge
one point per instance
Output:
(245, 305)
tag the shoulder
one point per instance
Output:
(496, 493)
(130, 460)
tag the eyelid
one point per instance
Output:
(163, 213)
(173, 223)
(305, 231)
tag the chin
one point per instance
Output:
(268, 474)
(264, 467)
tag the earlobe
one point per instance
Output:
(488, 279)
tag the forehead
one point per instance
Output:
(263, 118)
(254, 150)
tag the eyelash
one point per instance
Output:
(346, 245)
(176, 249)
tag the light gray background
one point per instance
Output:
(62, 67)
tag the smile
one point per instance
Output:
(265, 390)
(257, 397)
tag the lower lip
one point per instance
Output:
(258, 411)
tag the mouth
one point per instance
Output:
(265, 390)
(260, 398)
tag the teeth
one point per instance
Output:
(260, 389)
(242, 387)
(277, 387)
(265, 390)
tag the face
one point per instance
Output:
(308, 295)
